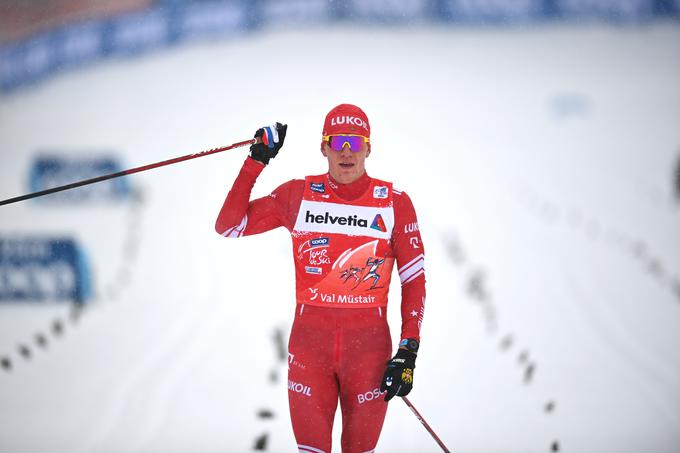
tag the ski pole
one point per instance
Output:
(126, 172)
(427, 427)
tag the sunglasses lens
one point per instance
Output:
(338, 142)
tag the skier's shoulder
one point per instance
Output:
(402, 201)
(399, 193)
(401, 198)
(289, 191)
(292, 184)
(380, 181)
(385, 182)
(314, 178)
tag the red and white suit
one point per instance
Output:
(346, 239)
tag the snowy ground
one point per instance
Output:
(540, 162)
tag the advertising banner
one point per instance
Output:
(43, 269)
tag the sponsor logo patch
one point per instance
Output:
(318, 187)
(380, 192)
(317, 252)
(320, 218)
(379, 224)
(299, 388)
(292, 361)
(313, 270)
(350, 220)
(333, 298)
(349, 120)
(369, 396)
(319, 242)
(411, 227)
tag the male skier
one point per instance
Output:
(340, 341)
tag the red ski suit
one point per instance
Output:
(346, 238)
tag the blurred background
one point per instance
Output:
(538, 139)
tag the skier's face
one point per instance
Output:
(346, 166)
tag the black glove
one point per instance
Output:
(398, 377)
(271, 142)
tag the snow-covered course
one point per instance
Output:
(540, 163)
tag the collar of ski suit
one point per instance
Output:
(350, 191)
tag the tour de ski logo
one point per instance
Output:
(360, 267)
(317, 254)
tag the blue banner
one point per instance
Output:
(43, 270)
(50, 171)
(494, 11)
(626, 10)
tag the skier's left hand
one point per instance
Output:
(398, 377)
(271, 141)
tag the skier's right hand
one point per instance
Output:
(271, 141)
